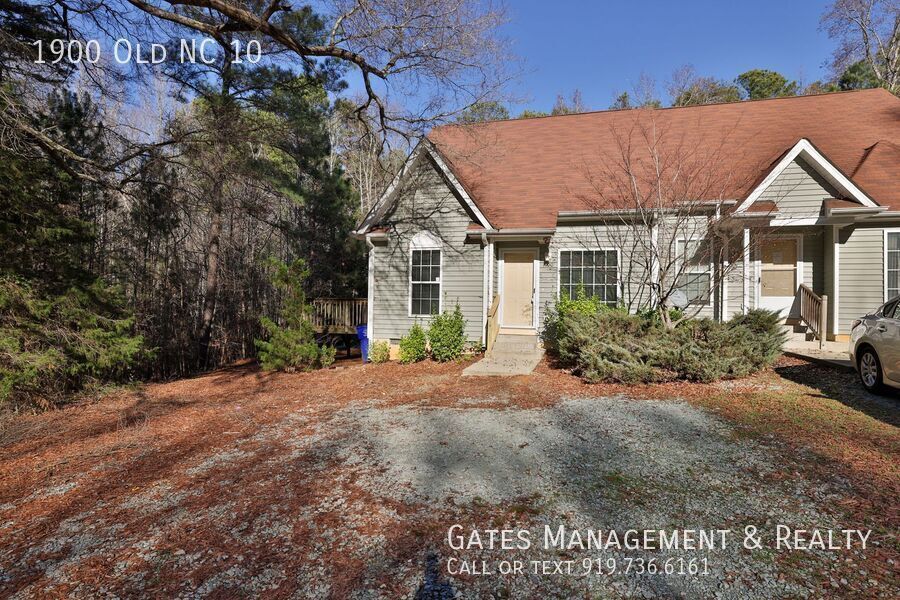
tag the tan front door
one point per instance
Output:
(518, 289)
(778, 274)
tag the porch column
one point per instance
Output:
(746, 299)
(724, 273)
(835, 303)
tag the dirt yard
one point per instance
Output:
(343, 483)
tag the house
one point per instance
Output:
(801, 196)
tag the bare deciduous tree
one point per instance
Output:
(370, 164)
(664, 199)
(868, 30)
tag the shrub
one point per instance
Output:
(613, 346)
(413, 345)
(581, 304)
(291, 344)
(768, 334)
(380, 352)
(652, 314)
(327, 355)
(51, 346)
(447, 335)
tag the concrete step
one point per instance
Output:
(500, 355)
(505, 364)
(516, 343)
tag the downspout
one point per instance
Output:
(485, 290)
(370, 300)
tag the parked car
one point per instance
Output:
(875, 347)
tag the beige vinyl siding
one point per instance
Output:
(433, 207)
(861, 274)
(828, 278)
(733, 285)
(799, 191)
(814, 259)
(695, 229)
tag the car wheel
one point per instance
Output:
(870, 371)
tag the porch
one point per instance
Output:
(796, 269)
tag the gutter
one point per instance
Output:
(370, 291)
(512, 234)
(864, 211)
(568, 216)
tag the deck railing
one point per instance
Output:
(493, 323)
(339, 315)
(814, 312)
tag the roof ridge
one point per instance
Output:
(693, 106)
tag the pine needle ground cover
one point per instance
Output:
(248, 483)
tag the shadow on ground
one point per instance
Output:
(435, 586)
(843, 387)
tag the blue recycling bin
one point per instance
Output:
(362, 334)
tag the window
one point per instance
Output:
(425, 282)
(695, 287)
(695, 268)
(597, 271)
(892, 264)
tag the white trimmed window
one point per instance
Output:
(425, 275)
(595, 271)
(695, 266)
(892, 264)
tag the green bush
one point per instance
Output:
(614, 346)
(327, 354)
(447, 335)
(768, 334)
(51, 346)
(652, 314)
(291, 344)
(380, 352)
(581, 304)
(413, 346)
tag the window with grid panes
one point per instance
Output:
(892, 259)
(695, 279)
(425, 282)
(597, 271)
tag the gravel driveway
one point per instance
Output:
(607, 463)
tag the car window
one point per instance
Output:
(890, 310)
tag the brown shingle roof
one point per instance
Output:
(762, 206)
(522, 173)
(832, 203)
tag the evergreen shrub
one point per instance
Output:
(447, 335)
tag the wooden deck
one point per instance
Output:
(339, 315)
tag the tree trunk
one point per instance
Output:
(213, 248)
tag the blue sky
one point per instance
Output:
(603, 47)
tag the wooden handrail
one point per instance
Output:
(493, 323)
(814, 312)
(339, 315)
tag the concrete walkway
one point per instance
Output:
(832, 354)
(511, 355)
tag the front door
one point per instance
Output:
(517, 308)
(778, 279)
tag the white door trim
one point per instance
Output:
(535, 265)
